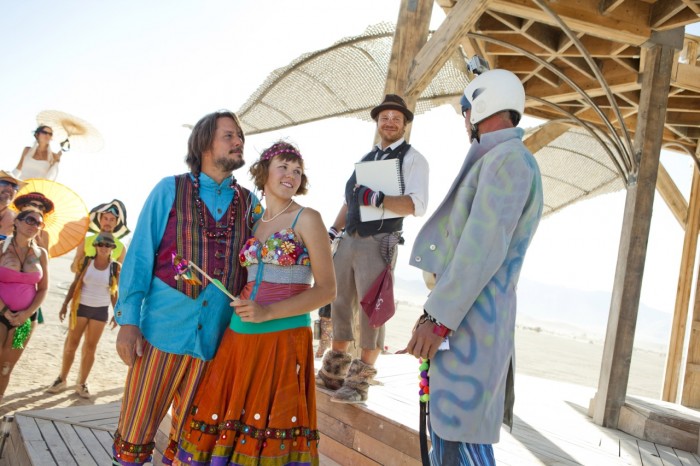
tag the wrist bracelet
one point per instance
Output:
(438, 329)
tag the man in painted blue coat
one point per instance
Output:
(473, 248)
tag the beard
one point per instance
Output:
(228, 164)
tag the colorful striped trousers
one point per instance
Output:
(449, 453)
(156, 380)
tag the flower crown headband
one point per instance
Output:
(279, 149)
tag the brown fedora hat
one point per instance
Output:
(392, 102)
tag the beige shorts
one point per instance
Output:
(358, 262)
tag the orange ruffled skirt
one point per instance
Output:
(256, 404)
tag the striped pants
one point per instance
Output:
(449, 453)
(156, 380)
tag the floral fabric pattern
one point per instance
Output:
(281, 248)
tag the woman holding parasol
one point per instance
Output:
(39, 161)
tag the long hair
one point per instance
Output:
(202, 137)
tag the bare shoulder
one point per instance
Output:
(310, 215)
(309, 223)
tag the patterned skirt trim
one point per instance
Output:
(256, 404)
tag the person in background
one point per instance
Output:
(261, 380)
(105, 218)
(9, 185)
(39, 161)
(170, 328)
(473, 246)
(41, 203)
(359, 260)
(24, 280)
(89, 296)
(326, 330)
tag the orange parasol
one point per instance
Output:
(82, 136)
(68, 223)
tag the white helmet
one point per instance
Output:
(494, 91)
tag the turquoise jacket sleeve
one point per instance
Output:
(137, 270)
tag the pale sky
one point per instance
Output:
(140, 70)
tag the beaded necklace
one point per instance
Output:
(216, 231)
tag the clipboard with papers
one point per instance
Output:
(380, 175)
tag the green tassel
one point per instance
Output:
(21, 335)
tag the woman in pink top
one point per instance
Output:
(23, 287)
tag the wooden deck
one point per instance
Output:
(80, 436)
(551, 428)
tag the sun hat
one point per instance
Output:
(14, 179)
(392, 102)
(115, 207)
(105, 237)
(22, 201)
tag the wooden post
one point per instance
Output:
(617, 353)
(685, 279)
(691, 381)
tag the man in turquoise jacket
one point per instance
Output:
(473, 247)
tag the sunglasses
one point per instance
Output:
(5, 183)
(105, 245)
(32, 222)
(43, 131)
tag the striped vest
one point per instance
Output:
(184, 235)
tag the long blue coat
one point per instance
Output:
(475, 243)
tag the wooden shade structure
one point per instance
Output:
(622, 71)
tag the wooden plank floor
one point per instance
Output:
(551, 428)
(64, 436)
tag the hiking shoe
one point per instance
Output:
(57, 386)
(82, 390)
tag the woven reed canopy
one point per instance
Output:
(347, 80)
(343, 80)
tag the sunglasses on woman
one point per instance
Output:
(32, 222)
(43, 131)
(105, 245)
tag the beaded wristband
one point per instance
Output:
(439, 329)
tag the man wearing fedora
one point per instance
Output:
(359, 260)
(105, 218)
(9, 185)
